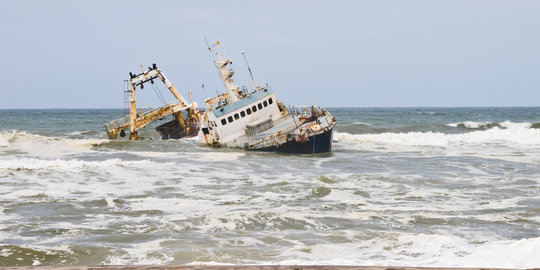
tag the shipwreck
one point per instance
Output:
(256, 120)
(238, 118)
(186, 115)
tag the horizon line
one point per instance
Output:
(334, 107)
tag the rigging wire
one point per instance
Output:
(158, 93)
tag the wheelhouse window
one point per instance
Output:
(223, 121)
(248, 111)
(243, 114)
(236, 116)
(270, 101)
(230, 119)
(260, 106)
(254, 108)
(265, 103)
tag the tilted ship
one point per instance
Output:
(258, 121)
(185, 122)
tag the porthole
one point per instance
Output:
(259, 106)
(223, 122)
(270, 101)
(236, 116)
(243, 114)
(254, 108)
(230, 119)
(248, 111)
(265, 103)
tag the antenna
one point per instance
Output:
(207, 44)
(204, 91)
(250, 74)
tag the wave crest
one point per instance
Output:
(489, 125)
(46, 146)
(66, 165)
(6, 136)
(510, 135)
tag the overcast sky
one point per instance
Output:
(76, 54)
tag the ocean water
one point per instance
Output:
(402, 187)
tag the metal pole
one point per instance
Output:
(249, 69)
(292, 115)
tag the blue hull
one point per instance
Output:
(320, 143)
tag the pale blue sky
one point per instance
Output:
(76, 54)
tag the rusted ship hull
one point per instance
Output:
(173, 130)
(318, 143)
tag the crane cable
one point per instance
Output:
(158, 93)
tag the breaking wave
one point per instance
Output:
(490, 125)
(505, 134)
(45, 146)
(6, 137)
(65, 165)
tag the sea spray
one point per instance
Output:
(6, 137)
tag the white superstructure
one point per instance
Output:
(256, 120)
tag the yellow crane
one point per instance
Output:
(137, 119)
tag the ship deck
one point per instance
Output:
(282, 125)
(278, 133)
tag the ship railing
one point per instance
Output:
(146, 110)
(117, 124)
(304, 110)
(272, 140)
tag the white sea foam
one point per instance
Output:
(513, 135)
(420, 249)
(476, 125)
(147, 253)
(152, 154)
(110, 202)
(44, 146)
(344, 196)
(469, 124)
(5, 252)
(6, 137)
(361, 123)
(63, 165)
(218, 156)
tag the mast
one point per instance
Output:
(249, 69)
(225, 73)
(132, 112)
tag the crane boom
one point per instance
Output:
(138, 119)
